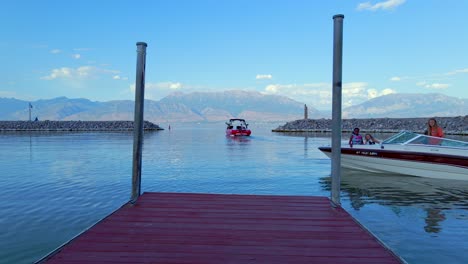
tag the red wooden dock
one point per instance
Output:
(213, 228)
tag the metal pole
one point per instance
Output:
(336, 110)
(138, 123)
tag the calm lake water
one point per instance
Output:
(55, 185)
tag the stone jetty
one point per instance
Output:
(452, 125)
(73, 126)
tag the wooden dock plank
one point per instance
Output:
(213, 228)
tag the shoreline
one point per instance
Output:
(451, 125)
(53, 126)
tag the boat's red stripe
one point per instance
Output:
(239, 132)
(408, 156)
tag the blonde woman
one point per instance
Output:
(370, 140)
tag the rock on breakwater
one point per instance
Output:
(451, 125)
(73, 126)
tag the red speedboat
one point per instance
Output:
(237, 127)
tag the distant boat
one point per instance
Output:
(237, 127)
(409, 153)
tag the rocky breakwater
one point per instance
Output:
(451, 125)
(73, 126)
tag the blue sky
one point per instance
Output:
(87, 49)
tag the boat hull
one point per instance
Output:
(237, 132)
(428, 162)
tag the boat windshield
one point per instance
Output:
(407, 137)
(239, 123)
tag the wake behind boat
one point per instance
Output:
(409, 153)
(237, 127)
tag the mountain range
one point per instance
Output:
(220, 106)
(177, 107)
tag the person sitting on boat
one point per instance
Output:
(356, 138)
(370, 140)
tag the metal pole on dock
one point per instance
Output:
(336, 110)
(138, 123)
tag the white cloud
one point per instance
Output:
(118, 77)
(76, 56)
(373, 93)
(424, 80)
(387, 91)
(166, 85)
(84, 72)
(175, 86)
(457, 72)
(354, 89)
(263, 76)
(364, 6)
(63, 72)
(319, 95)
(294, 90)
(433, 85)
(278, 88)
(163, 86)
(354, 93)
(156, 91)
(437, 86)
(55, 51)
(385, 5)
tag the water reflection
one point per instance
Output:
(433, 196)
(30, 148)
(433, 220)
(235, 140)
(306, 146)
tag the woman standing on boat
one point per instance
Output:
(355, 138)
(433, 129)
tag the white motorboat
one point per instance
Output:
(409, 153)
